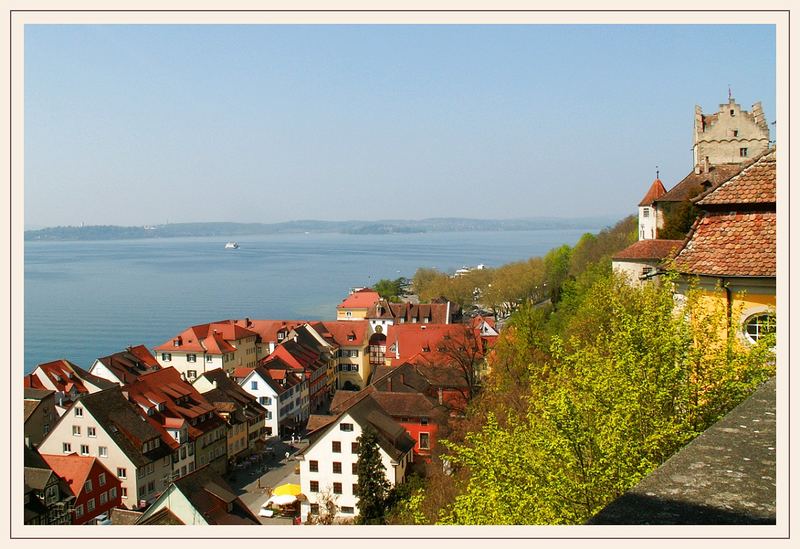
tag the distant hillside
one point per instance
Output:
(224, 229)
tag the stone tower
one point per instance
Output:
(731, 136)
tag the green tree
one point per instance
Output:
(373, 487)
(391, 289)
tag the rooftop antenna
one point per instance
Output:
(729, 93)
(656, 172)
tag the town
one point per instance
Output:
(254, 421)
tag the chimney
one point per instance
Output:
(247, 322)
(705, 164)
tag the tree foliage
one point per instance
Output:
(626, 384)
(373, 487)
(391, 290)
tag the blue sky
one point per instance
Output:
(137, 124)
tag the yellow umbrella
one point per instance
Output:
(286, 490)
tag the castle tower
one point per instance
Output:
(650, 218)
(730, 136)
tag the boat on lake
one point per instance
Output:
(231, 245)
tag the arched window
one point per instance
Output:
(759, 325)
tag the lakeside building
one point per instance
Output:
(125, 366)
(244, 416)
(67, 380)
(280, 391)
(348, 341)
(40, 414)
(196, 431)
(48, 499)
(357, 305)
(328, 466)
(731, 249)
(107, 426)
(270, 333)
(199, 498)
(95, 488)
(206, 347)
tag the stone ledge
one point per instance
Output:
(724, 476)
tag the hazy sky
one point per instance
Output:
(138, 124)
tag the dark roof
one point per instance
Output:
(30, 407)
(162, 517)
(124, 425)
(211, 496)
(737, 244)
(753, 185)
(649, 249)
(129, 364)
(725, 476)
(123, 517)
(655, 191)
(318, 421)
(406, 404)
(230, 392)
(436, 313)
(37, 394)
(695, 183)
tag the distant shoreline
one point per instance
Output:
(380, 227)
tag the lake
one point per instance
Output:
(85, 299)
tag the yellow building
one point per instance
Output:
(357, 304)
(730, 253)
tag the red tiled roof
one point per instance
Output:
(649, 249)
(436, 313)
(268, 329)
(361, 299)
(73, 468)
(738, 244)
(412, 339)
(695, 183)
(340, 331)
(213, 338)
(656, 190)
(753, 185)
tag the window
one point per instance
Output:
(84, 449)
(76, 430)
(733, 112)
(315, 509)
(646, 270)
(123, 492)
(101, 479)
(758, 326)
(112, 494)
(87, 486)
(337, 487)
(313, 466)
(191, 374)
(336, 447)
(314, 486)
(103, 498)
(354, 447)
(265, 401)
(78, 412)
(645, 212)
(121, 472)
(424, 441)
(354, 353)
(79, 511)
(337, 467)
(90, 505)
(254, 385)
(102, 451)
(735, 133)
(743, 152)
(166, 357)
(151, 486)
(191, 357)
(348, 314)
(355, 468)
(141, 492)
(91, 432)
(345, 426)
(423, 421)
(348, 510)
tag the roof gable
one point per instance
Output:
(655, 191)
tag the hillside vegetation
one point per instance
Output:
(584, 397)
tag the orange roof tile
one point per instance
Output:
(213, 338)
(753, 185)
(73, 468)
(655, 191)
(344, 333)
(723, 244)
(649, 249)
(362, 299)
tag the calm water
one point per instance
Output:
(89, 299)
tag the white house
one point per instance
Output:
(328, 465)
(283, 393)
(106, 425)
